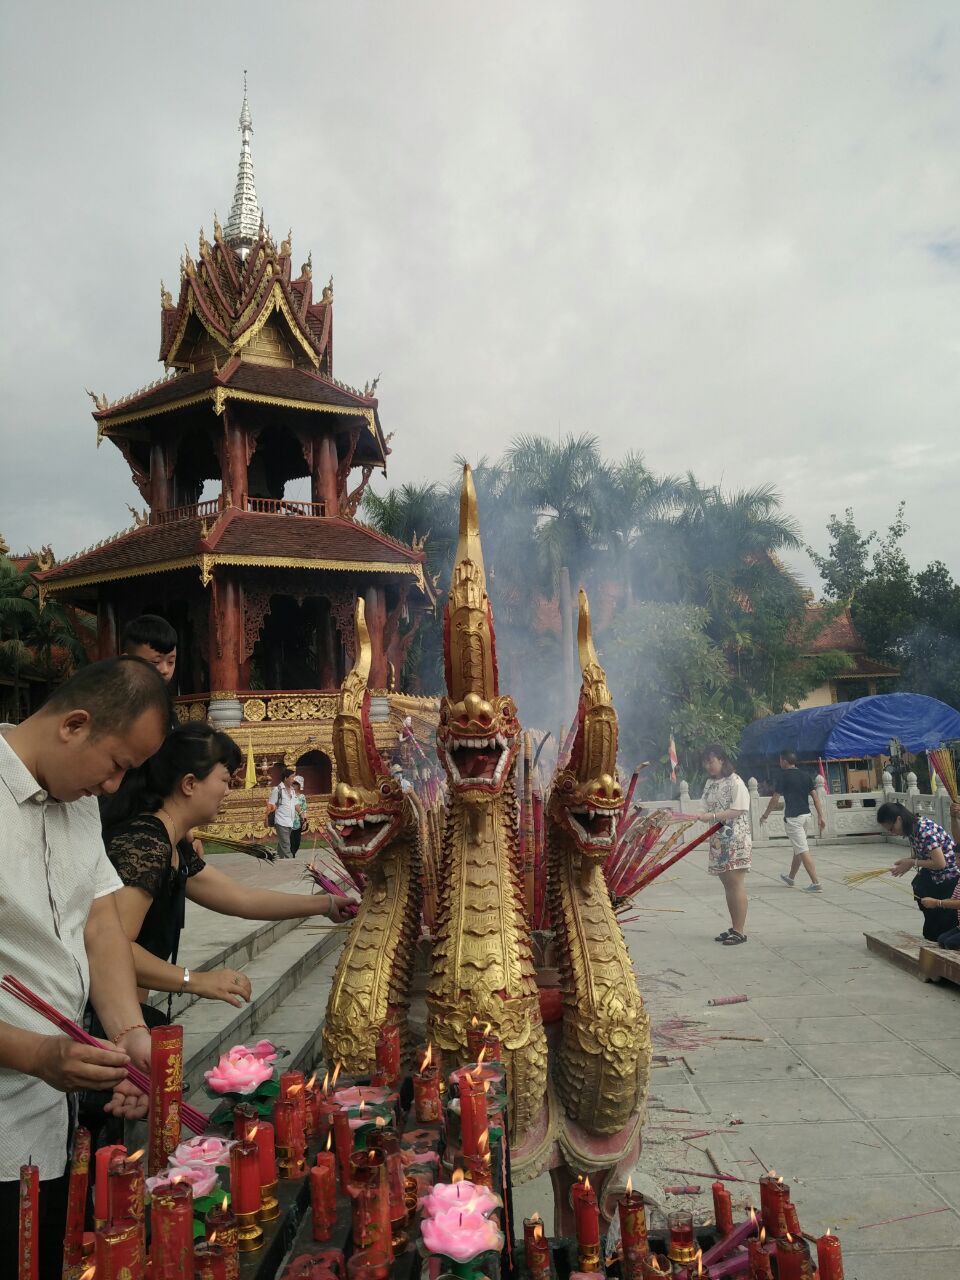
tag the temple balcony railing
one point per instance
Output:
(212, 507)
(289, 706)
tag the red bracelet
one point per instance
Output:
(137, 1026)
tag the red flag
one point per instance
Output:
(673, 758)
(823, 774)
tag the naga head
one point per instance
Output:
(367, 810)
(586, 799)
(479, 733)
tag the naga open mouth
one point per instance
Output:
(477, 762)
(362, 836)
(595, 828)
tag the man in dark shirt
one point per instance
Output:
(796, 787)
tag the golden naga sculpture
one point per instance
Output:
(375, 831)
(482, 955)
(602, 1066)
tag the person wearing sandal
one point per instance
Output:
(726, 799)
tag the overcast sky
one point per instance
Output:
(724, 233)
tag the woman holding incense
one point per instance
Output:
(726, 800)
(147, 828)
(934, 861)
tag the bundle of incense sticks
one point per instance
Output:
(858, 877)
(941, 762)
(645, 849)
(195, 1120)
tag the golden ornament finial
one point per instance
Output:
(470, 659)
(349, 737)
(166, 297)
(217, 229)
(595, 747)
(468, 546)
(286, 245)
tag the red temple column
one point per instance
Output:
(106, 629)
(375, 600)
(159, 484)
(324, 475)
(234, 464)
(225, 632)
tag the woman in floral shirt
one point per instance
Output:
(934, 860)
(726, 800)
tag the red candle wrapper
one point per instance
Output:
(77, 1198)
(166, 1095)
(655, 1265)
(101, 1160)
(29, 1223)
(774, 1195)
(119, 1250)
(633, 1232)
(475, 1034)
(791, 1258)
(760, 1265)
(343, 1140)
(126, 1193)
(722, 1208)
(474, 1122)
(209, 1261)
(323, 1195)
(426, 1095)
(245, 1177)
(388, 1052)
(171, 1231)
(221, 1227)
(829, 1257)
(293, 1085)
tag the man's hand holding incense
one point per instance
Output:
(66, 1065)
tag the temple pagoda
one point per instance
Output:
(260, 587)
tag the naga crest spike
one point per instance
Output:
(594, 752)
(469, 642)
(357, 757)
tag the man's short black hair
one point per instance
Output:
(286, 773)
(115, 693)
(789, 756)
(150, 630)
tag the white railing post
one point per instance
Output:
(829, 811)
(913, 793)
(755, 809)
(683, 804)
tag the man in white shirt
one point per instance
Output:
(60, 932)
(283, 804)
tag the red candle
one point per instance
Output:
(760, 1268)
(171, 1231)
(829, 1257)
(209, 1261)
(539, 1254)
(587, 1218)
(791, 1258)
(473, 1114)
(312, 1105)
(343, 1139)
(426, 1090)
(222, 1230)
(29, 1200)
(793, 1222)
(774, 1194)
(245, 1177)
(166, 1095)
(733, 1240)
(722, 1209)
(531, 1232)
(655, 1265)
(101, 1159)
(323, 1194)
(368, 1186)
(244, 1118)
(490, 1050)
(251, 1128)
(475, 1035)
(119, 1250)
(633, 1231)
(369, 1264)
(292, 1086)
(126, 1192)
(77, 1199)
(388, 1052)
(290, 1137)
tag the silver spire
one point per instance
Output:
(243, 225)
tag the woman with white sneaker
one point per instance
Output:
(796, 787)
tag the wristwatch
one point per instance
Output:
(186, 979)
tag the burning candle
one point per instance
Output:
(126, 1192)
(290, 1138)
(209, 1261)
(343, 1141)
(722, 1209)
(587, 1218)
(312, 1107)
(633, 1231)
(166, 1095)
(655, 1265)
(774, 1194)
(475, 1033)
(490, 1049)
(387, 1140)
(323, 1194)
(538, 1262)
(466, 1197)
(371, 1200)
(388, 1052)
(224, 1231)
(245, 1177)
(681, 1245)
(529, 1227)
(171, 1230)
(473, 1114)
(77, 1199)
(369, 1264)
(463, 1238)
(119, 1250)
(101, 1162)
(29, 1222)
(292, 1086)
(759, 1258)
(426, 1090)
(829, 1257)
(791, 1258)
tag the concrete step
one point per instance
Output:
(292, 966)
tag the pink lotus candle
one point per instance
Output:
(461, 1237)
(463, 1197)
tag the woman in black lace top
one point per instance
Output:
(146, 832)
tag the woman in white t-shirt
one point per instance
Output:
(726, 800)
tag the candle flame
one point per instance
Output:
(486, 1029)
(251, 1136)
(468, 1079)
(427, 1058)
(763, 1235)
(213, 1237)
(827, 1232)
(481, 1055)
(473, 1021)
(586, 1184)
(336, 1073)
(789, 1238)
(457, 1175)
(629, 1186)
(483, 1142)
(329, 1138)
(224, 1202)
(753, 1217)
(136, 1155)
(89, 1273)
(538, 1231)
(780, 1180)
(363, 1103)
(294, 1089)
(699, 1262)
(486, 1086)
(772, 1173)
(535, 1217)
(312, 1081)
(380, 1122)
(326, 1082)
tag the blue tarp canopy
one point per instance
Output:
(851, 730)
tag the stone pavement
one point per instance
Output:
(853, 1094)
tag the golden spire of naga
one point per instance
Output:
(470, 651)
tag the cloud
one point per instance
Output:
(723, 233)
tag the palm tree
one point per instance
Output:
(630, 506)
